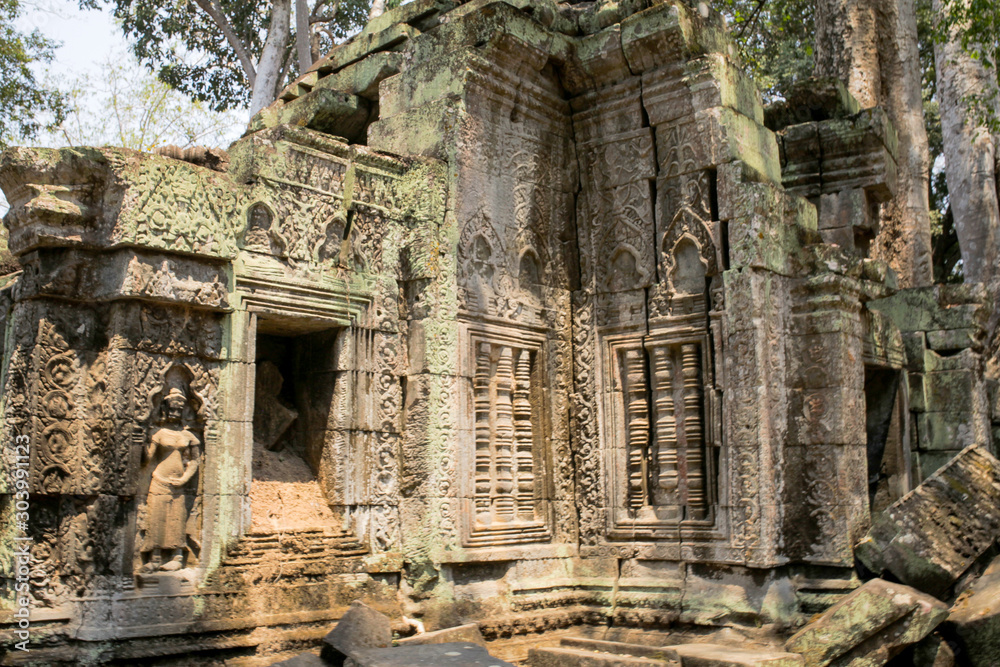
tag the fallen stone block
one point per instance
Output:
(930, 536)
(360, 628)
(714, 655)
(460, 654)
(868, 626)
(976, 618)
(468, 633)
(302, 660)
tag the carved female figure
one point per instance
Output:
(175, 450)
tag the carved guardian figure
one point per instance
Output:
(176, 452)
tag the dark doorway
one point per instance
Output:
(294, 384)
(888, 459)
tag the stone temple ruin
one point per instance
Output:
(518, 313)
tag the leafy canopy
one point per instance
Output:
(27, 106)
(775, 38)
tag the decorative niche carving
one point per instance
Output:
(507, 501)
(259, 235)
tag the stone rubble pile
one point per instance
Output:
(931, 539)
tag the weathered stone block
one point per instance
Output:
(821, 416)
(949, 390)
(950, 431)
(602, 15)
(303, 660)
(841, 154)
(669, 32)
(928, 538)
(423, 130)
(333, 112)
(953, 339)
(847, 208)
(825, 487)
(607, 112)
(601, 62)
(617, 160)
(360, 628)
(368, 42)
(975, 617)
(578, 657)
(868, 626)
(713, 137)
(412, 13)
(815, 99)
(620, 648)
(931, 309)
(710, 81)
(928, 463)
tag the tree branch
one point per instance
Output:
(753, 17)
(212, 8)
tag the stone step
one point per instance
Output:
(575, 657)
(620, 648)
(715, 655)
(429, 655)
(298, 546)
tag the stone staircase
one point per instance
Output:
(579, 652)
(303, 547)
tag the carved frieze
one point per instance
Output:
(172, 205)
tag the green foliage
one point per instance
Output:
(775, 38)
(26, 106)
(164, 35)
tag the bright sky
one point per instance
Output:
(87, 37)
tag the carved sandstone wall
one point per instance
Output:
(574, 339)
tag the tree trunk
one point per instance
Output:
(378, 8)
(847, 47)
(971, 156)
(905, 237)
(269, 67)
(871, 45)
(303, 43)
